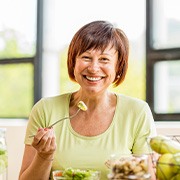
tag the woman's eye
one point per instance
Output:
(86, 58)
(104, 59)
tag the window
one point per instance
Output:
(20, 51)
(163, 59)
(21, 39)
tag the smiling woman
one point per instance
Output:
(96, 68)
(96, 57)
(112, 122)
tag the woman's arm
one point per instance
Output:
(37, 159)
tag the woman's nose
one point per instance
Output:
(93, 67)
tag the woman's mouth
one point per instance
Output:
(93, 78)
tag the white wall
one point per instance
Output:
(15, 142)
(168, 128)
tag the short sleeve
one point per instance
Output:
(145, 129)
(36, 120)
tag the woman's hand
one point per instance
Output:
(37, 159)
(44, 143)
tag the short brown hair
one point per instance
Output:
(98, 35)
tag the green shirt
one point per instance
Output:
(128, 132)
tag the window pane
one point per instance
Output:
(167, 87)
(17, 28)
(16, 90)
(166, 24)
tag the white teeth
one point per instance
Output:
(93, 78)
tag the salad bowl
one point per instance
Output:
(76, 174)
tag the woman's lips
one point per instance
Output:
(90, 78)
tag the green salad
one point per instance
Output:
(3, 160)
(77, 174)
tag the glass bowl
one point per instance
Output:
(78, 174)
(132, 166)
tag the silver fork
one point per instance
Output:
(80, 105)
(62, 119)
(69, 117)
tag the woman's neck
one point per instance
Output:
(98, 102)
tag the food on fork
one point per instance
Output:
(81, 105)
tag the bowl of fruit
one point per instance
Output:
(167, 150)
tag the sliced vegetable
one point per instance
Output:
(81, 105)
(77, 174)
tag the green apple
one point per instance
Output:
(176, 162)
(163, 144)
(165, 167)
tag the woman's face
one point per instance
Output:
(96, 70)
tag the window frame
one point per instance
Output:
(35, 60)
(153, 56)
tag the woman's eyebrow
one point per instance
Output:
(109, 54)
(88, 52)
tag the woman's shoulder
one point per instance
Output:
(130, 99)
(54, 100)
(131, 102)
(133, 107)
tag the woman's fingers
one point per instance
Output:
(44, 141)
(38, 137)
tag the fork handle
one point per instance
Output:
(64, 119)
(30, 136)
(58, 121)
